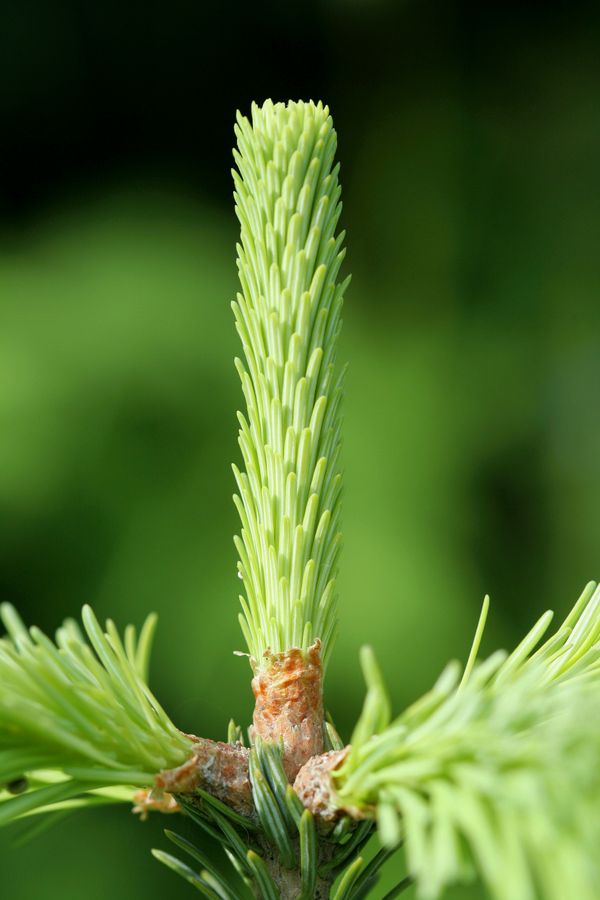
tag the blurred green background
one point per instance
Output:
(470, 145)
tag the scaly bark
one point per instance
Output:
(218, 768)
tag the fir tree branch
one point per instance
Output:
(495, 774)
(81, 709)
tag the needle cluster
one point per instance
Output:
(288, 317)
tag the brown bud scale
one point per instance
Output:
(313, 786)
(289, 704)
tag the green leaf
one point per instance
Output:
(223, 888)
(235, 735)
(235, 842)
(271, 764)
(186, 873)
(342, 830)
(214, 803)
(346, 884)
(201, 819)
(399, 888)
(309, 855)
(294, 805)
(369, 874)
(241, 869)
(375, 715)
(362, 834)
(333, 740)
(270, 816)
(25, 803)
(265, 883)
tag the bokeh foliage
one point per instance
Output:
(469, 149)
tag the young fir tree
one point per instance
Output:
(493, 773)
